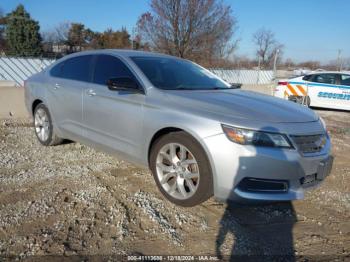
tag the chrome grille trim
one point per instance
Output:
(308, 144)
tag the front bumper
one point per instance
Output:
(233, 163)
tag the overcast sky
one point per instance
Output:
(309, 29)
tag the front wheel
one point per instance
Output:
(306, 101)
(43, 127)
(181, 169)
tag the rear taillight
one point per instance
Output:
(282, 83)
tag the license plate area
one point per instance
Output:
(324, 168)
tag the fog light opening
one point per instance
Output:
(263, 185)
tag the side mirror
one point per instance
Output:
(123, 84)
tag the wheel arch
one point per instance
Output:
(161, 132)
(35, 103)
(170, 129)
(167, 130)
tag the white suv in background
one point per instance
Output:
(319, 89)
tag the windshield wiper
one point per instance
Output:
(184, 88)
(199, 89)
(216, 88)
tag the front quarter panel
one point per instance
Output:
(231, 162)
(159, 115)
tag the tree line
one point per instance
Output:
(20, 36)
(201, 30)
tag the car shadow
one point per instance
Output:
(322, 109)
(261, 231)
(66, 142)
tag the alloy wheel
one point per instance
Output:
(42, 124)
(177, 171)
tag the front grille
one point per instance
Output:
(310, 143)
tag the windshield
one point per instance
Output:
(177, 74)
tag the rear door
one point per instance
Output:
(67, 84)
(113, 119)
(321, 88)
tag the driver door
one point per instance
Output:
(112, 118)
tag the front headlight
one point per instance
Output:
(256, 138)
(323, 123)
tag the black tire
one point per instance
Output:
(52, 139)
(307, 101)
(205, 186)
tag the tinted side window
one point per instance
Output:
(307, 77)
(77, 68)
(345, 80)
(56, 71)
(325, 78)
(108, 67)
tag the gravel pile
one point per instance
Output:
(153, 207)
(73, 200)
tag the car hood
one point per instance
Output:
(243, 104)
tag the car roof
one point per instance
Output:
(121, 52)
(117, 52)
(328, 72)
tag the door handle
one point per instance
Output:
(91, 92)
(57, 86)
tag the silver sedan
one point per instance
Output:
(199, 135)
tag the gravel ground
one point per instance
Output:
(72, 200)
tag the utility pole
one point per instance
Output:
(133, 38)
(275, 62)
(339, 60)
(259, 69)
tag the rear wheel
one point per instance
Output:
(43, 127)
(181, 169)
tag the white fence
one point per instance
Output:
(19, 69)
(251, 77)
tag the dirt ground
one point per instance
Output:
(72, 200)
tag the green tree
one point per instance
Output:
(76, 37)
(22, 33)
(115, 39)
(2, 31)
(108, 39)
(82, 38)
